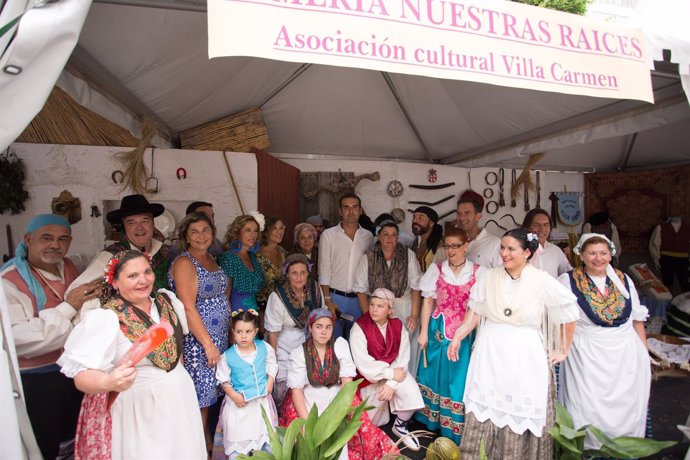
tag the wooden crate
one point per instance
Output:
(236, 133)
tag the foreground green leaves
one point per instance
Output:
(570, 442)
(320, 437)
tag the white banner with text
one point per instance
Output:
(497, 42)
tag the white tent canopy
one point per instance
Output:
(152, 60)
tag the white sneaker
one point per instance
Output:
(410, 440)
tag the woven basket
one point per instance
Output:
(663, 368)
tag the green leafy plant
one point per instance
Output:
(569, 6)
(570, 442)
(320, 437)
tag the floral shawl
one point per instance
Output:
(134, 322)
(299, 312)
(324, 374)
(609, 309)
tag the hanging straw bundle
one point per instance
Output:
(135, 172)
(525, 180)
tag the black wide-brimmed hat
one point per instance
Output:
(134, 204)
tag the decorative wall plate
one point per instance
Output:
(394, 188)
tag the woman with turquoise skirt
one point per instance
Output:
(446, 290)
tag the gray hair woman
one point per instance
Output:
(305, 240)
(287, 310)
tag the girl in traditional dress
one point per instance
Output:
(509, 392)
(286, 315)
(381, 350)
(446, 291)
(154, 394)
(246, 374)
(606, 379)
(318, 369)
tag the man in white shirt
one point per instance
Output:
(549, 257)
(340, 249)
(40, 313)
(484, 246)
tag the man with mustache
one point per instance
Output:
(40, 312)
(428, 234)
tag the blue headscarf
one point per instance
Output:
(21, 253)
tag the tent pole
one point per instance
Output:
(282, 86)
(417, 134)
(198, 6)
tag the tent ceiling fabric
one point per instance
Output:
(160, 56)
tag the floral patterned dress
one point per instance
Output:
(214, 310)
(272, 274)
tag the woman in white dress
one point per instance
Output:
(380, 347)
(318, 370)
(391, 265)
(154, 394)
(509, 392)
(286, 315)
(606, 379)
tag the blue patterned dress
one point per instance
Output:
(214, 310)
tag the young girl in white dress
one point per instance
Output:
(246, 374)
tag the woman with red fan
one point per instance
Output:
(153, 394)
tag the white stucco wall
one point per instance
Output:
(376, 200)
(85, 171)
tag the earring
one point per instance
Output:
(255, 248)
(235, 246)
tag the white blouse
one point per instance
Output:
(98, 343)
(428, 282)
(297, 375)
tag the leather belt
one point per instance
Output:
(344, 294)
